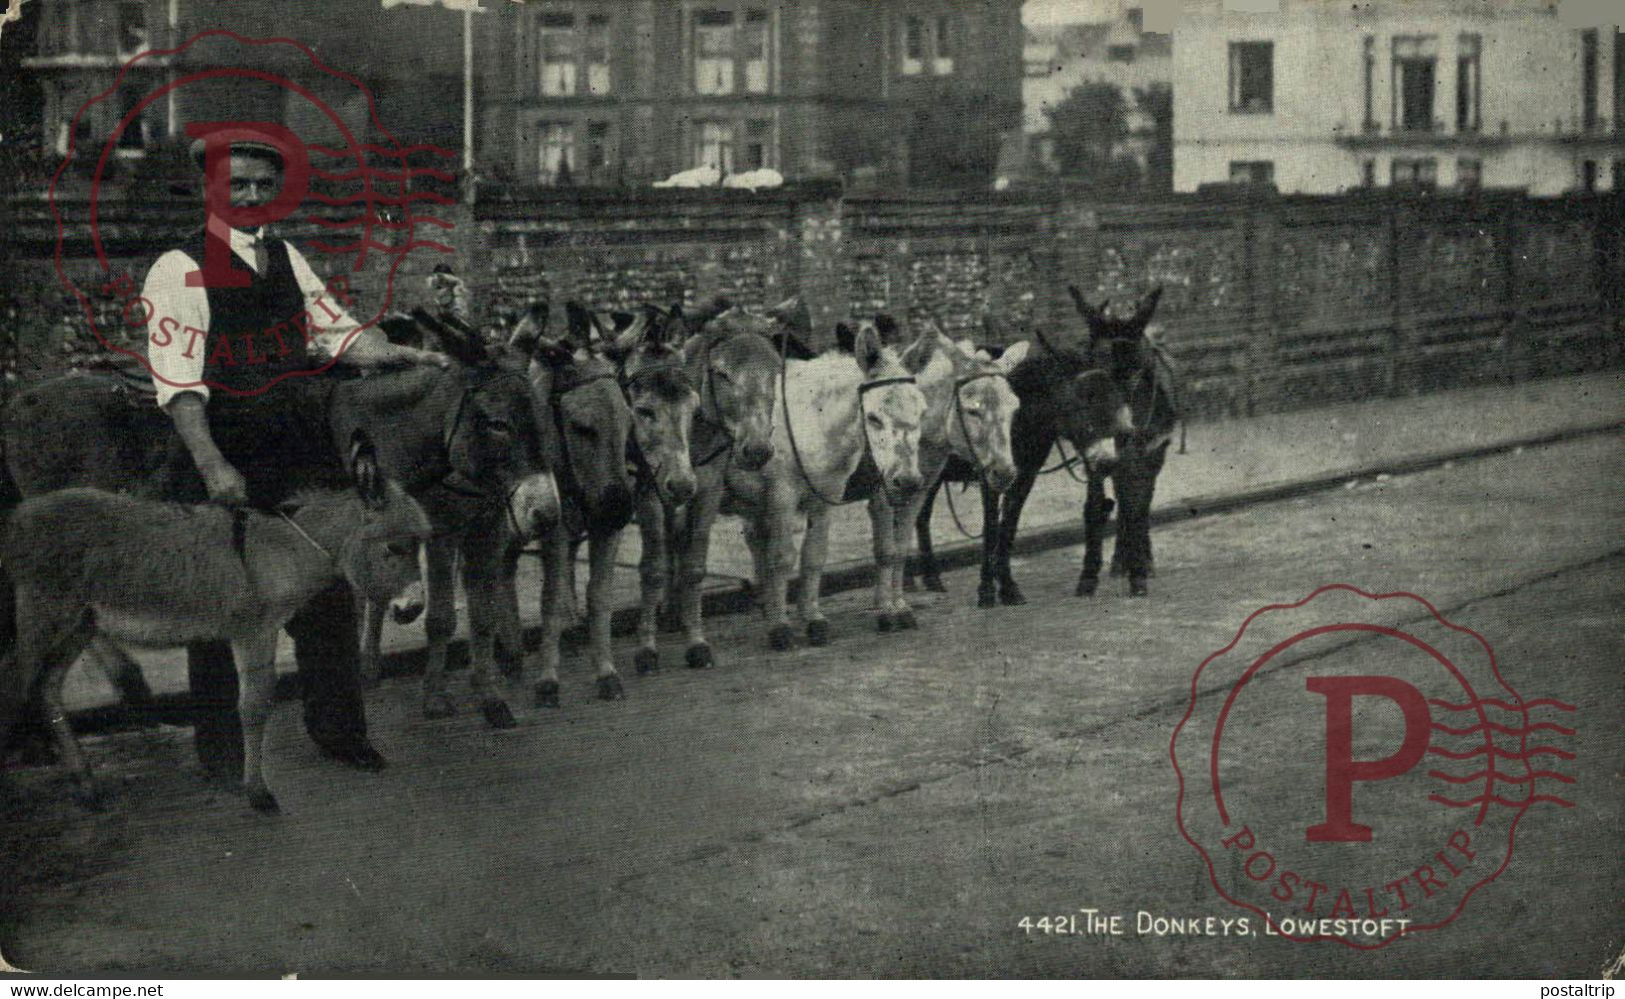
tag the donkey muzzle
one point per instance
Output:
(753, 454)
(678, 489)
(405, 608)
(534, 505)
(1101, 454)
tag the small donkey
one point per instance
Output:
(90, 565)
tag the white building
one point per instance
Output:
(1320, 97)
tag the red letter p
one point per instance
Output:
(1342, 770)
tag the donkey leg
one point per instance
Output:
(51, 636)
(439, 625)
(600, 605)
(778, 515)
(256, 683)
(482, 566)
(882, 530)
(903, 518)
(121, 671)
(217, 734)
(653, 569)
(1097, 509)
(987, 592)
(372, 633)
(1009, 593)
(555, 569)
(508, 647)
(930, 576)
(814, 549)
(573, 626)
(695, 549)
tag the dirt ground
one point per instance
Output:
(889, 805)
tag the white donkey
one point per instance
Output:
(832, 410)
(969, 410)
(90, 565)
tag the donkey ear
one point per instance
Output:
(1013, 355)
(580, 330)
(553, 353)
(793, 313)
(919, 353)
(866, 348)
(369, 481)
(1148, 305)
(1090, 314)
(887, 326)
(845, 339)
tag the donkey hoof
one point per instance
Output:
(438, 706)
(904, 620)
(1137, 588)
(646, 661)
(987, 596)
(497, 713)
(547, 694)
(884, 623)
(818, 632)
(264, 802)
(782, 638)
(933, 583)
(1011, 595)
(1086, 587)
(699, 657)
(610, 689)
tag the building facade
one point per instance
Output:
(610, 91)
(1448, 94)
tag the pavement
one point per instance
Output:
(893, 804)
(1226, 463)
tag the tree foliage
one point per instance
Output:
(1085, 127)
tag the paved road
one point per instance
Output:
(890, 805)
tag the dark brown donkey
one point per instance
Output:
(1142, 373)
(1063, 397)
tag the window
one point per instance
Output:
(1369, 62)
(133, 138)
(928, 43)
(714, 145)
(596, 55)
(132, 28)
(1415, 61)
(558, 43)
(1588, 176)
(555, 152)
(1368, 173)
(1588, 79)
(758, 136)
(1252, 77)
(598, 157)
(1468, 88)
(732, 52)
(1417, 173)
(1469, 174)
(1252, 172)
(1119, 53)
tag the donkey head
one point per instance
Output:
(1094, 411)
(1118, 343)
(892, 408)
(737, 371)
(971, 404)
(589, 422)
(662, 399)
(380, 555)
(494, 434)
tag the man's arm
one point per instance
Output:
(365, 348)
(176, 330)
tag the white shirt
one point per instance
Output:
(178, 324)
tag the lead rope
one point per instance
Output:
(301, 532)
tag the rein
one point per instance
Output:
(460, 482)
(301, 532)
(959, 412)
(644, 469)
(708, 396)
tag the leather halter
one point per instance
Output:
(959, 413)
(570, 485)
(863, 421)
(460, 482)
(708, 396)
(644, 470)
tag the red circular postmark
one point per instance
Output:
(1353, 767)
(354, 197)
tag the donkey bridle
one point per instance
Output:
(460, 482)
(863, 421)
(959, 413)
(570, 485)
(709, 393)
(645, 469)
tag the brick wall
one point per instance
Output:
(1269, 303)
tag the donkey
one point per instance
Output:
(833, 410)
(1063, 397)
(89, 563)
(645, 347)
(465, 435)
(589, 423)
(1143, 374)
(969, 410)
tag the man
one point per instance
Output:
(255, 447)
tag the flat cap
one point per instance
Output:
(241, 147)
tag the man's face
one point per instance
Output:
(254, 181)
